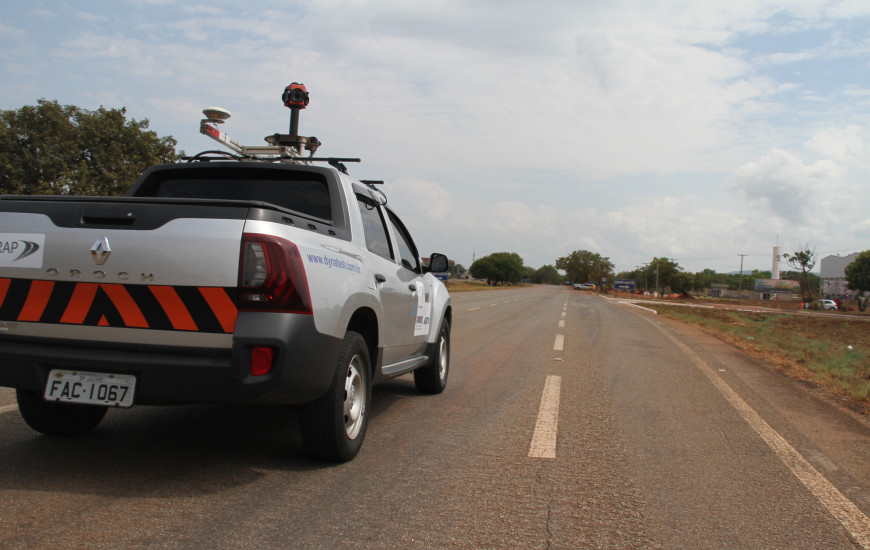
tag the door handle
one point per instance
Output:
(412, 287)
(380, 278)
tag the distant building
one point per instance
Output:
(717, 290)
(833, 274)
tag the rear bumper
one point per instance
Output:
(303, 367)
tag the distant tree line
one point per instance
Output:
(583, 266)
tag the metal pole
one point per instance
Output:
(294, 121)
(740, 284)
(657, 278)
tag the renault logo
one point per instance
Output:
(100, 251)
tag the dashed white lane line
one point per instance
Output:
(843, 509)
(473, 308)
(546, 428)
(559, 344)
(8, 408)
(562, 323)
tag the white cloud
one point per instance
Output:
(841, 144)
(91, 17)
(11, 32)
(781, 184)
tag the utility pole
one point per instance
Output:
(740, 284)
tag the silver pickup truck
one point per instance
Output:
(251, 278)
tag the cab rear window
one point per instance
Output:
(303, 192)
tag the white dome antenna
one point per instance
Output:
(216, 115)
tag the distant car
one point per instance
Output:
(584, 286)
(829, 305)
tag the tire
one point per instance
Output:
(334, 426)
(53, 418)
(432, 378)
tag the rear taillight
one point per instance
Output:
(271, 276)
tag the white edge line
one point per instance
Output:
(654, 312)
(844, 510)
(546, 428)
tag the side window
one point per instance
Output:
(373, 224)
(407, 250)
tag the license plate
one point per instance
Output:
(93, 388)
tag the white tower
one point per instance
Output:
(774, 272)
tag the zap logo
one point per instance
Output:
(21, 249)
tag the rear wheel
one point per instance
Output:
(433, 377)
(334, 426)
(54, 418)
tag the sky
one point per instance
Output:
(701, 131)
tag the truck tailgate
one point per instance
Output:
(149, 272)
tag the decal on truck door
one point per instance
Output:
(422, 314)
(197, 309)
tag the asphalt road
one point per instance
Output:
(569, 421)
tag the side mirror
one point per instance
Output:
(438, 263)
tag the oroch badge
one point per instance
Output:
(100, 250)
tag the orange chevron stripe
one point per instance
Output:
(37, 299)
(222, 306)
(126, 306)
(85, 297)
(79, 303)
(171, 303)
(4, 288)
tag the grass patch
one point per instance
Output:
(460, 285)
(829, 351)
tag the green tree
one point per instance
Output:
(644, 276)
(65, 150)
(499, 268)
(457, 271)
(547, 275)
(705, 279)
(858, 277)
(669, 274)
(528, 274)
(803, 260)
(583, 266)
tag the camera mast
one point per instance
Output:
(281, 147)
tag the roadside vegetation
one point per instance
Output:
(462, 285)
(54, 149)
(829, 351)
